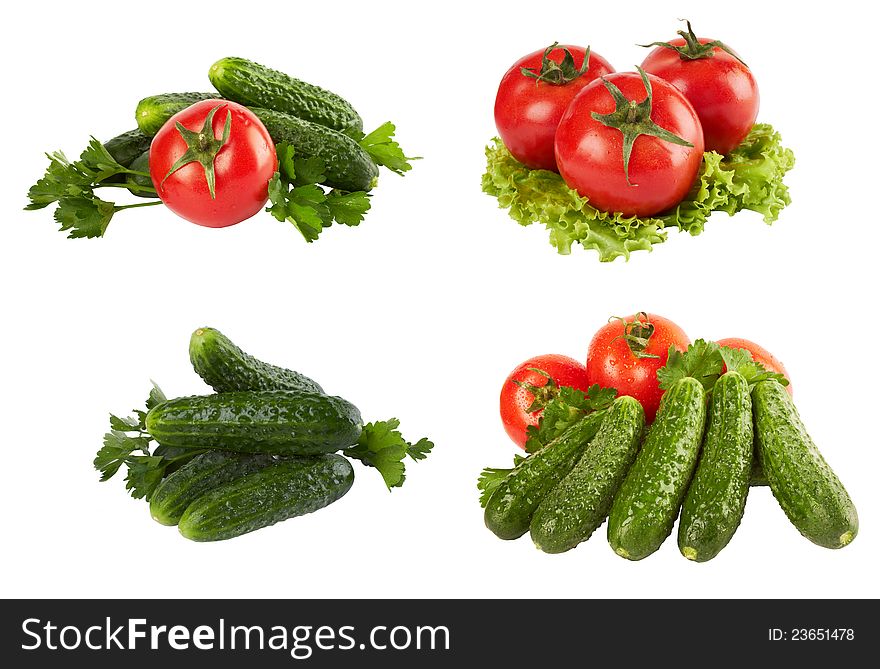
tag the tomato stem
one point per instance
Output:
(541, 395)
(634, 119)
(129, 186)
(135, 206)
(560, 73)
(637, 334)
(202, 147)
(692, 48)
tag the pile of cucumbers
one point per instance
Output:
(263, 448)
(317, 122)
(697, 458)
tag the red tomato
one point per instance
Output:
(616, 357)
(515, 399)
(719, 86)
(760, 355)
(527, 110)
(242, 163)
(590, 154)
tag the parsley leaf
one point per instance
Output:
(84, 217)
(72, 185)
(420, 450)
(309, 171)
(348, 208)
(145, 473)
(702, 361)
(128, 443)
(561, 412)
(382, 446)
(740, 360)
(97, 160)
(286, 163)
(490, 479)
(117, 448)
(62, 179)
(295, 196)
(385, 151)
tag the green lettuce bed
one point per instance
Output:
(749, 178)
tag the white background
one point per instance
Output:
(422, 311)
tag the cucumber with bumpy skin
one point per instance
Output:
(716, 498)
(580, 503)
(510, 508)
(128, 146)
(281, 422)
(647, 503)
(806, 488)
(255, 85)
(198, 476)
(293, 487)
(225, 367)
(152, 112)
(138, 184)
(347, 166)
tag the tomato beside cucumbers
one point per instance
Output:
(630, 143)
(211, 163)
(719, 85)
(760, 355)
(548, 371)
(534, 94)
(627, 352)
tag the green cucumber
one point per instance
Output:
(573, 510)
(347, 166)
(203, 473)
(225, 367)
(806, 488)
(716, 499)
(179, 457)
(648, 501)
(137, 182)
(128, 146)
(255, 85)
(281, 422)
(125, 149)
(154, 111)
(510, 508)
(290, 488)
(758, 478)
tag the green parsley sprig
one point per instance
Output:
(706, 360)
(128, 443)
(385, 151)
(382, 446)
(72, 185)
(296, 196)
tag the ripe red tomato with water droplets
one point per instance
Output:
(717, 83)
(215, 171)
(760, 355)
(528, 109)
(627, 352)
(516, 399)
(591, 152)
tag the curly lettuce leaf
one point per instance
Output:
(751, 177)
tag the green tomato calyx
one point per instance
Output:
(637, 333)
(634, 119)
(693, 49)
(560, 73)
(202, 147)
